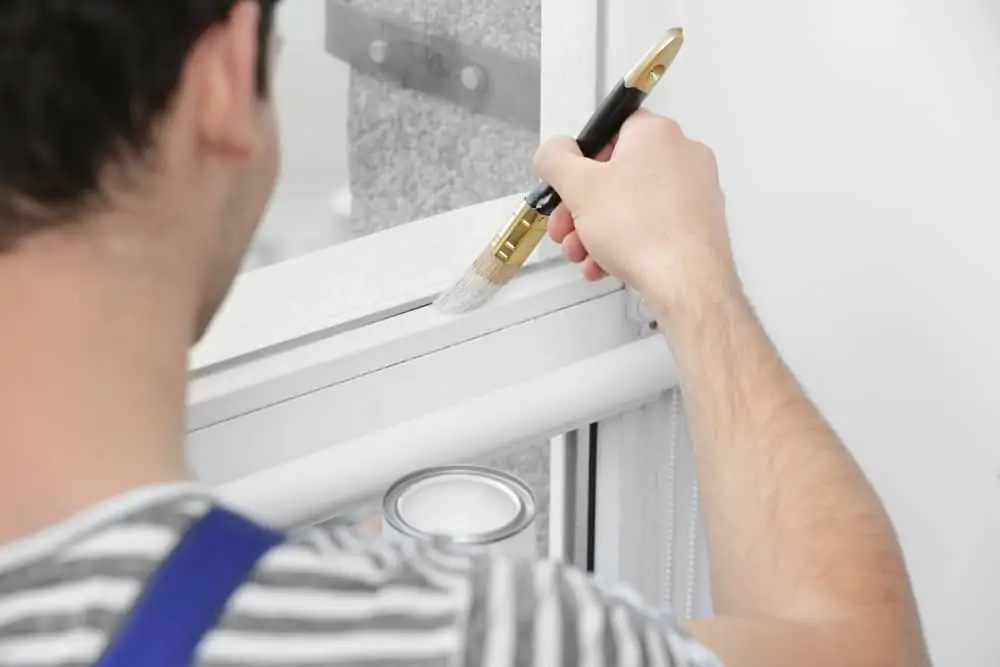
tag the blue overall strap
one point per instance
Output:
(186, 596)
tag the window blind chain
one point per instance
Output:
(692, 551)
(670, 476)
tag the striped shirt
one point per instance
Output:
(323, 598)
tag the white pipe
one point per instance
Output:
(312, 487)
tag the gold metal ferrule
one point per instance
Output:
(648, 71)
(515, 242)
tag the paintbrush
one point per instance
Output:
(515, 242)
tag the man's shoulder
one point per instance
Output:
(330, 592)
(438, 603)
(510, 611)
(328, 597)
(321, 597)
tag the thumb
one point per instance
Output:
(559, 163)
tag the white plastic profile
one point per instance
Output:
(315, 486)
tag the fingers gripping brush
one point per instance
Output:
(515, 242)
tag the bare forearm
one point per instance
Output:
(799, 542)
(742, 642)
(796, 532)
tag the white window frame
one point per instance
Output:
(349, 285)
(326, 377)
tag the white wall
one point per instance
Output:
(859, 142)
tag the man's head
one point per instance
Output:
(143, 122)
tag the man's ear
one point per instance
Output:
(222, 71)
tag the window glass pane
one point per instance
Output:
(395, 110)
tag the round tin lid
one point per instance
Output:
(464, 503)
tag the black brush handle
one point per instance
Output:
(602, 127)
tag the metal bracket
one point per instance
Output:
(484, 80)
(571, 507)
(639, 312)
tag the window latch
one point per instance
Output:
(637, 310)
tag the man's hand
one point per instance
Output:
(649, 212)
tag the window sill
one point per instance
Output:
(225, 391)
(347, 286)
(263, 411)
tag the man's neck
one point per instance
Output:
(93, 349)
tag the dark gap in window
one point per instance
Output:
(591, 497)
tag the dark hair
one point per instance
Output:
(82, 84)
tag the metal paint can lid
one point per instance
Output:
(466, 504)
